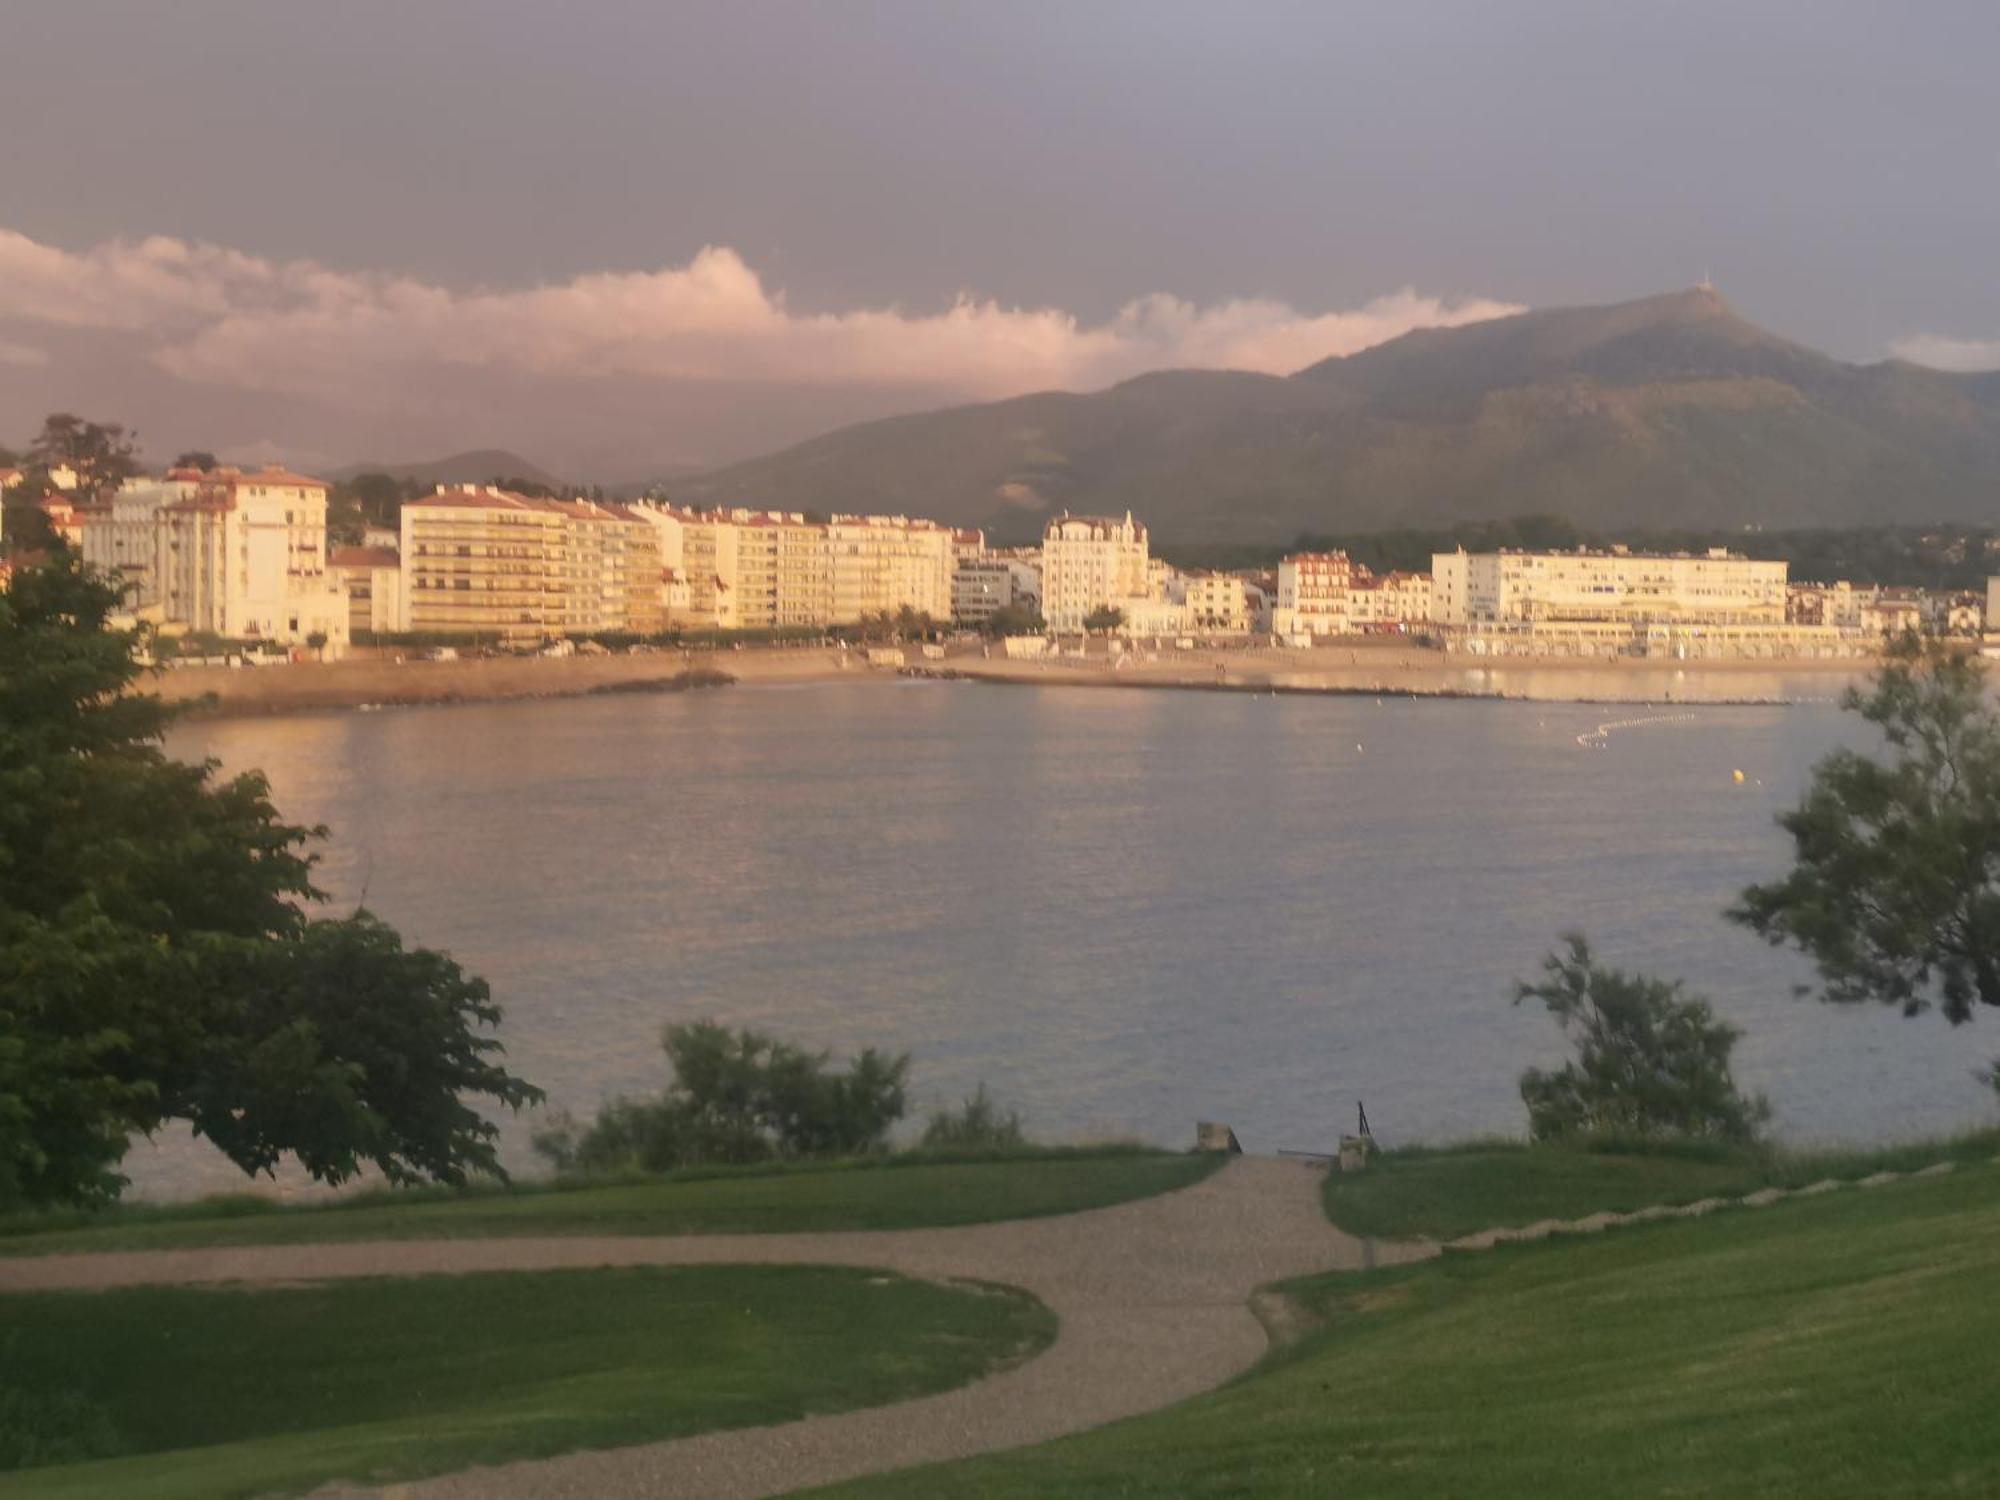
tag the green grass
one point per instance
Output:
(1445, 1192)
(1834, 1346)
(237, 1391)
(901, 1193)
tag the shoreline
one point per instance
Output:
(1362, 670)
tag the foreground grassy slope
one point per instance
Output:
(1441, 1193)
(224, 1392)
(1834, 1346)
(903, 1193)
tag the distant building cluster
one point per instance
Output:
(245, 555)
(1715, 604)
(237, 554)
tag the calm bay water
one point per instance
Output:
(1122, 910)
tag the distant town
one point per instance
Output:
(243, 559)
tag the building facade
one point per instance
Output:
(373, 579)
(1618, 603)
(885, 564)
(1313, 594)
(1091, 563)
(1218, 602)
(234, 553)
(478, 560)
(1527, 588)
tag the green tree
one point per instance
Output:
(1106, 618)
(24, 527)
(736, 1097)
(1650, 1060)
(1894, 889)
(378, 497)
(1012, 619)
(101, 453)
(160, 958)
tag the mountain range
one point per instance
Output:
(1671, 411)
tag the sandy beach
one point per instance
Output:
(1363, 667)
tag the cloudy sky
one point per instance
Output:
(633, 237)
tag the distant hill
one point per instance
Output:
(479, 465)
(1667, 412)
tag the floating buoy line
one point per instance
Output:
(1599, 737)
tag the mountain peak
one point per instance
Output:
(1666, 410)
(1689, 334)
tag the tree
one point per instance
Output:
(1106, 618)
(1894, 889)
(160, 958)
(737, 1097)
(25, 528)
(196, 458)
(1650, 1060)
(101, 453)
(1012, 619)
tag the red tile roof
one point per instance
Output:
(364, 557)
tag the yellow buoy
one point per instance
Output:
(1739, 777)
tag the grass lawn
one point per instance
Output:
(1444, 1192)
(232, 1391)
(1834, 1346)
(903, 1193)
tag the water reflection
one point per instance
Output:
(1122, 910)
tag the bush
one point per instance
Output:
(737, 1098)
(1650, 1061)
(979, 1125)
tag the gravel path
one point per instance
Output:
(1153, 1299)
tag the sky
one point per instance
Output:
(629, 238)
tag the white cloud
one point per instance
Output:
(22, 355)
(225, 318)
(1942, 353)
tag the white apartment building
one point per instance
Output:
(242, 555)
(1313, 594)
(1391, 602)
(884, 564)
(1529, 588)
(1091, 563)
(1619, 603)
(771, 570)
(1219, 602)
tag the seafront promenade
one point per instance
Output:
(1361, 667)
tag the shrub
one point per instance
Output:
(737, 1097)
(1650, 1060)
(978, 1125)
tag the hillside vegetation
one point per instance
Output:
(1834, 1346)
(1671, 411)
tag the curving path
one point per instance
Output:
(1153, 1297)
(1486, 1239)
